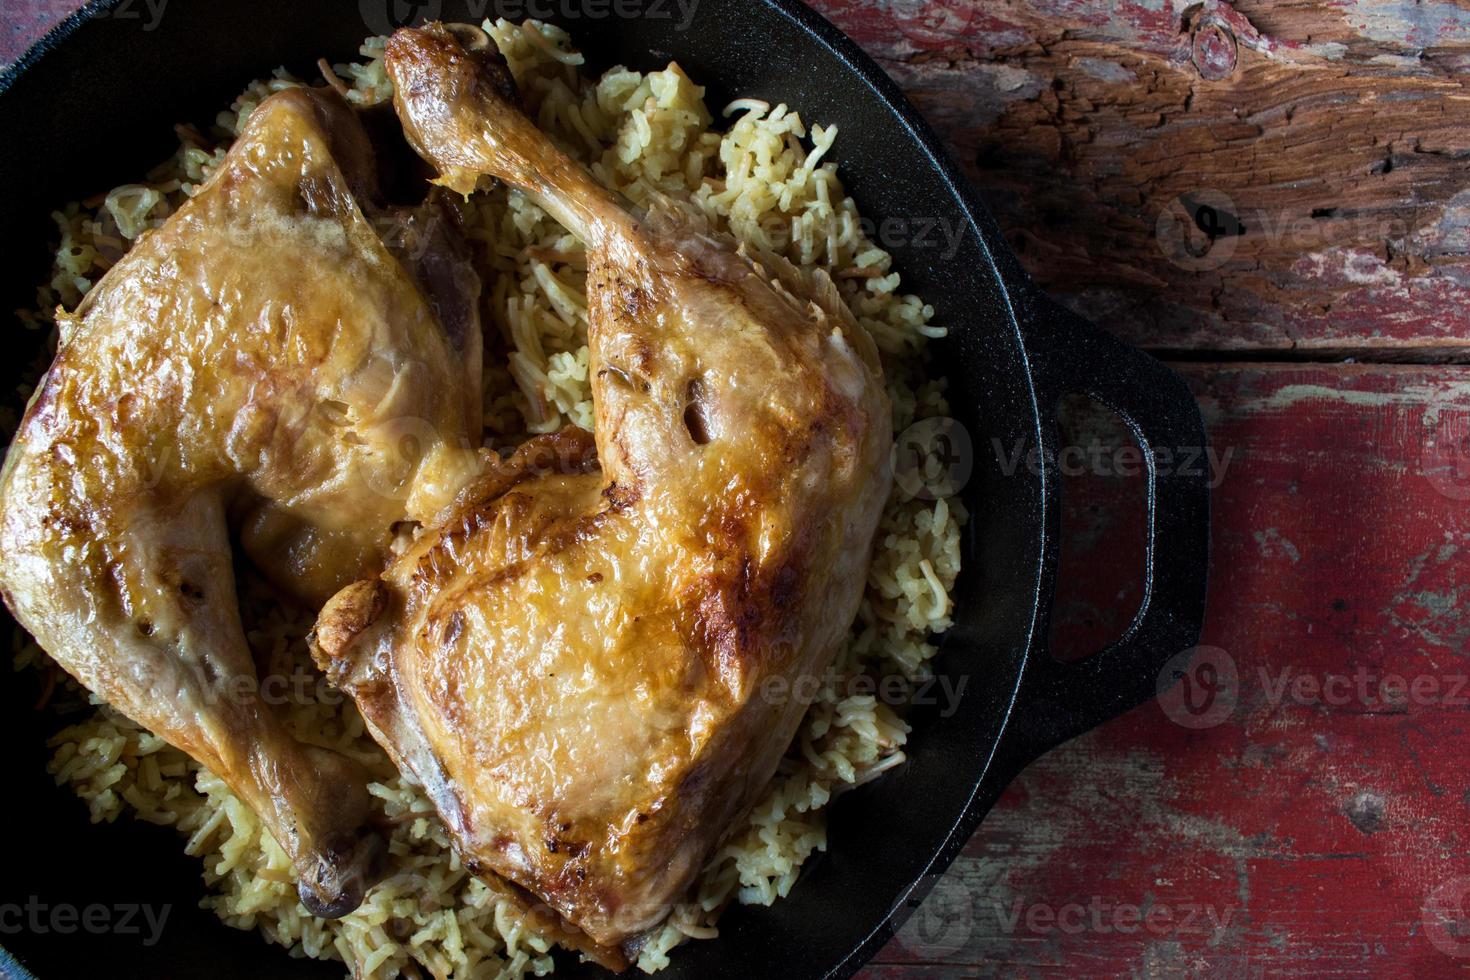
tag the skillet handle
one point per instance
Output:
(1059, 701)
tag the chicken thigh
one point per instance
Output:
(262, 356)
(594, 673)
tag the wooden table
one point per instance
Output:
(1276, 197)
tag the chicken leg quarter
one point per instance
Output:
(590, 671)
(264, 357)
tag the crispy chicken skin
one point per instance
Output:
(262, 360)
(579, 665)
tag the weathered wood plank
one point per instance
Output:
(1320, 144)
(23, 23)
(1318, 818)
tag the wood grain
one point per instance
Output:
(21, 23)
(1303, 194)
(1320, 816)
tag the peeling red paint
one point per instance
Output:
(1213, 50)
(1329, 813)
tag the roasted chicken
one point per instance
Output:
(264, 361)
(593, 669)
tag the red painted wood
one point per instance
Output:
(1320, 817)
(23, 22)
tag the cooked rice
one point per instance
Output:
(770, 181)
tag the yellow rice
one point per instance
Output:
(773, 183)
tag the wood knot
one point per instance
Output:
(1213, 49)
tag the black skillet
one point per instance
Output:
(93, 105)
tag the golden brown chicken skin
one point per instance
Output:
(263, 353)
(575, 663)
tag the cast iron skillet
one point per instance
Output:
(93, 105)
